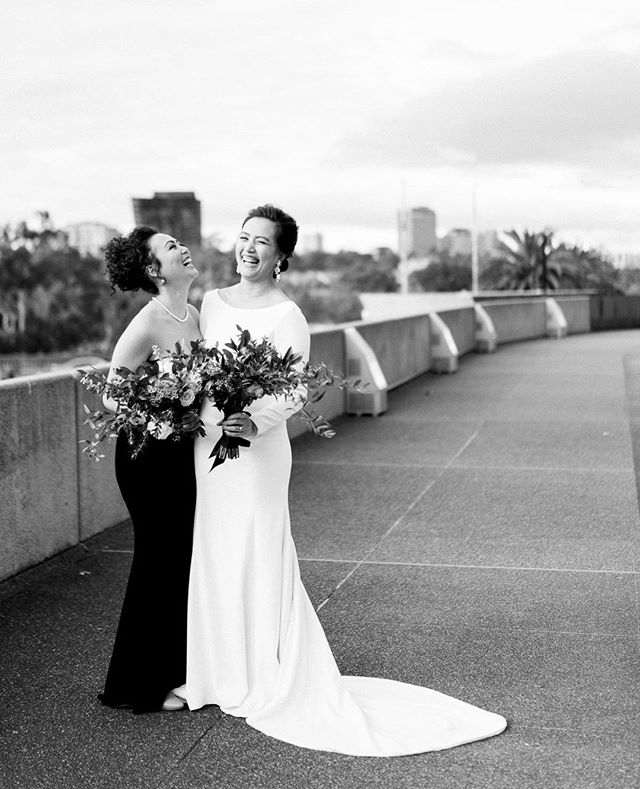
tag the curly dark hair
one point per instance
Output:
(287, 229)
(127, 258)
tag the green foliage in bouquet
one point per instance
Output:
(248, 369)
(160, 399)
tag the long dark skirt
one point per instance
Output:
(149, 654)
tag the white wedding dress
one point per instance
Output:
(255, 646)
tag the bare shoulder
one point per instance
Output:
(136, 341)
(141, 324)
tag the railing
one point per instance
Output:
(52, 497)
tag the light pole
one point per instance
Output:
(402, 241)
(474, 243)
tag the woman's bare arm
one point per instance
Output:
(132, 349)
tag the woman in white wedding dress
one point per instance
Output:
(255, 646)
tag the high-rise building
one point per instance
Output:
(312, 242)
(457, 242)
(416, 232)
(488, 243)
(89, 237)
(626, 259)
(175, 213)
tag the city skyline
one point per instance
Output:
(246, 103)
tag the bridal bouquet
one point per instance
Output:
(160, 399)
(247, 369)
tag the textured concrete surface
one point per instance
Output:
(516, 319)
(402, 346)
(100, 504)
(523, 517)
(462, 325)
(327, 346)
(39, 469)
(577, 312)
(481, 538)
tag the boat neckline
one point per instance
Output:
(251, 309)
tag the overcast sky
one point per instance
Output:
(326, 107)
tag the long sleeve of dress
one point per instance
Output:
(291, 332)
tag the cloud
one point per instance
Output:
(577, 109)
(447, 50)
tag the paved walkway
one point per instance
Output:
(481, 538)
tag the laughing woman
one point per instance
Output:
(255, 646)
(158, 486)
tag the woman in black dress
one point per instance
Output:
(158, 486)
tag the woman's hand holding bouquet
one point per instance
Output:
(162, 398)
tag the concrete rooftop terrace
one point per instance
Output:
(481, 538)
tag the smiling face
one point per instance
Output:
(257, 250)
(174, 259)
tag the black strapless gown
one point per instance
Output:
(149, 654)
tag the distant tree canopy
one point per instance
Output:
(629, 279)
(355, 271)
(325, 305)
(62, 301)
(333, 297)
(445, 273)
(523, 263)
(59, 297)
(531, 260)
(216, 269)
(528, 261)
(588, 269)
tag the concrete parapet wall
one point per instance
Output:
(402, 346)
(327, 345)
(517, 319)
(99, 502)
(39, 505)
(52, 497)
(462, 325)
(615, 312)
(387, 306)
(577, 312)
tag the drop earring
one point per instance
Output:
(163, 280)
(237, 268)
(276, 272)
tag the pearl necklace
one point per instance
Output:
(166, 309)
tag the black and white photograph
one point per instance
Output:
(320, 394)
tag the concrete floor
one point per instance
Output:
(481, 538)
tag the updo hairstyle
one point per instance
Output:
(127, 258)
(286, 233)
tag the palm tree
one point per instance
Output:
(526, 263)
(587, 268)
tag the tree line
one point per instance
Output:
(60, 300)
(529, 260)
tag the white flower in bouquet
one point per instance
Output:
(160, 399)
(165, 366)
(159, 429)
(188, 396)
(193, 380)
